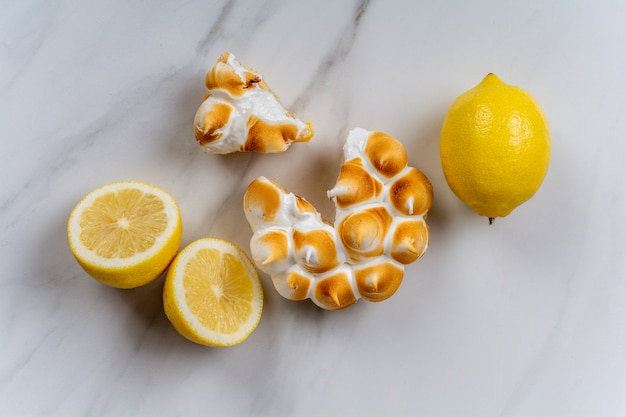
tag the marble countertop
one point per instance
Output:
(526, 317)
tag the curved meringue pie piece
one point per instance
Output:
(379, 227)
(241, 114)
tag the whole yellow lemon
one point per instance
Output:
(494, 147)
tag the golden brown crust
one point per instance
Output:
(307, 135)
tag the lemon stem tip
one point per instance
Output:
(491, 220)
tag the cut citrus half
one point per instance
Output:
(125, 234)
(213, 294)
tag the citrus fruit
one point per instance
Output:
(494, 147)
(213, 294)
(125, 234)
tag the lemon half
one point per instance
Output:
(213, 294)
(125, 234)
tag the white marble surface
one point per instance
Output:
(523, 318)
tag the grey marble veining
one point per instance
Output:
(525, 317)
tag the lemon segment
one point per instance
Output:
(125, 234)
(495, 147)
(213, 294)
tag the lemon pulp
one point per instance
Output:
(213, 294)
(125, 234)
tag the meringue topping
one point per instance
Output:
(293, 283)
(381, 206)
(241, 114)
(363, 232)
(379, 280)
(409, 241)
(335, 291)
(355, 185)
(316, 250)
(412, 194)
(386, 154)
(272, 250)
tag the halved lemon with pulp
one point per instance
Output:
(213, 294)
(125, 234)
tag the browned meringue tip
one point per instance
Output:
(223, 76)
(269, 137)
(209, 121)
(303, 206)
(354, 185)
(379, 281)
(293, 284)
(412, 194)
(386, 154)
(362, 233)
(334, 292)
(275, 247)
(409, 241)
(315, 250)
(262, 200)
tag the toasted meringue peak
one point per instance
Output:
(270, 250)
(263, 202)
(215, 116)
(230, 76)
(303, 207)
(293, 283)
(335, 291)
(363, 232)
(409, 241)
(355, 185)
(316, 250)
(377, 281)
(386, 154)
(381, 206)
(241, 114)
(412, 194)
